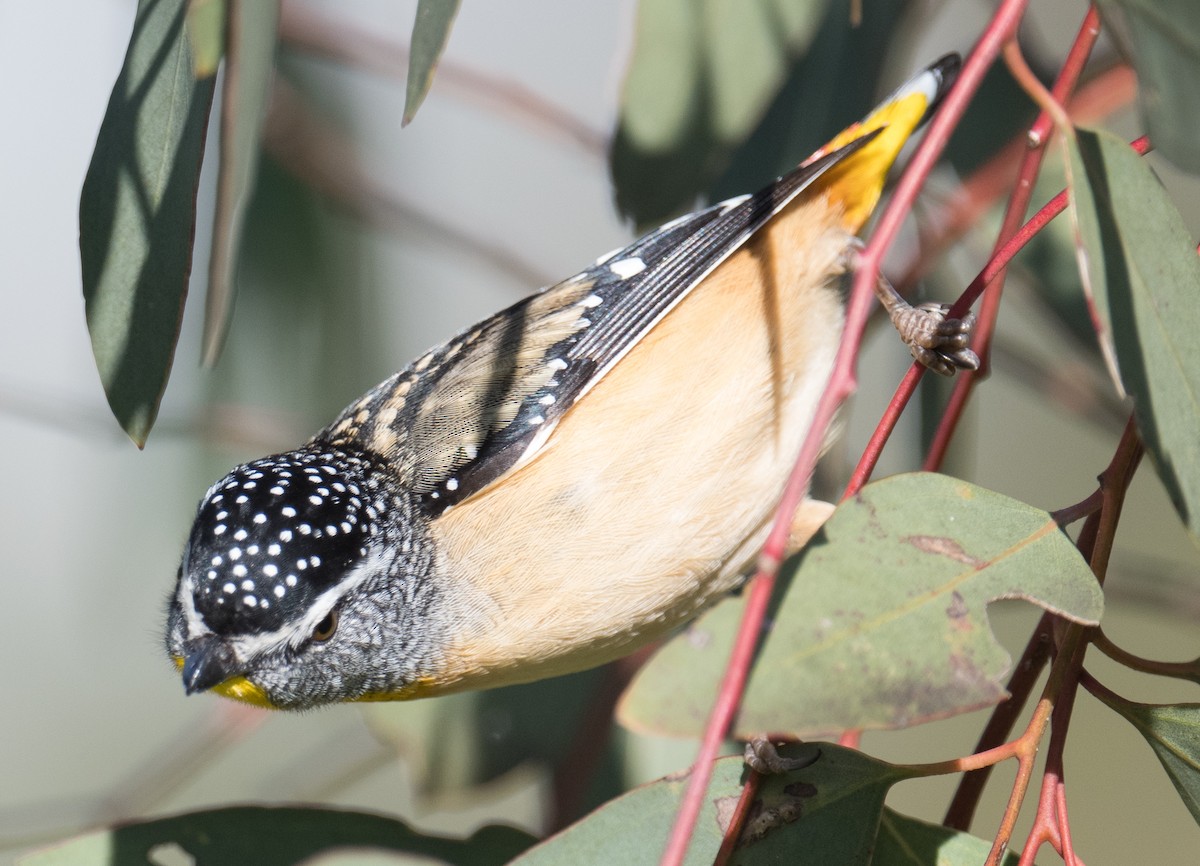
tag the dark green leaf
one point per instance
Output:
(832, 85)
(825, 813)
(137, 212)
(267, 836)
(206, 35)
(700, 78)
(249, 65)
(881, 621)
(431, 30)
(1144, 275)
(1173, 731)
(1162, 38)
(454, 742)
(905, 841)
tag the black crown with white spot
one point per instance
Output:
(273, 535)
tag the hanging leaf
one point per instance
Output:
(1173, 731)
(881, 621)
(267, 836)
(457, 741)
(249, 66)
(431, 31)
(1141, 266)
(830, 86)
(825, 813)
(206, 35)
(137, 213)
(905, 841)
(1162, 39)
(699, 80)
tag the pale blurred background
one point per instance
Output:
(329, 304)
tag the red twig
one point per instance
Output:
(1017, 204)
(1095, 542)
(1096, 99)
(842, 383)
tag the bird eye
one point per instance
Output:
(326, 627)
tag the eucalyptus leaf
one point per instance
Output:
(1141, 267)
(905, 841)
(699, 80)
(206, 33)
(1173, 732)
(825, 813)
(1162, 39)
(881, 621)
(271, 836)
(249, 67)
(137, 214)
(431, 31)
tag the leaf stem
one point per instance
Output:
(1020, 685)
(1095, 542)
(1033, 87)
(1178, 670)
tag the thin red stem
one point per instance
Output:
(1018, 203)
(842, 383)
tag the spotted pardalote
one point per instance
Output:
(562, 482)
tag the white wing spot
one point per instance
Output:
(626, 268)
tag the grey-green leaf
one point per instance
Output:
(1144, 275)
(825, 813)
(700, 78)
(270, 836)
(431, 30)
(206, 35)
(1162, 38)
(881, 621)
(249, 67)
(905, 841)
(137, 212)
(1173, 731)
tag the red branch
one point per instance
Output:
(842, 383)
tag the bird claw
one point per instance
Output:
(940, 343)
(762, 756)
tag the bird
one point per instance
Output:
(566, 481)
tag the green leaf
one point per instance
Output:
(249, 66)
(1173, 731)
(881, 621)
(206, 35)
(271, 836)
(431, 31)
(454, 742)
(905, 841)
(825, 813)
(137, 212)
(699, 80)
(1144, 275)
(832, 85)
(1162, 39)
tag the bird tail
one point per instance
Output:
(856, 182)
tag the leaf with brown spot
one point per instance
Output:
(881, 622)
(828, 812)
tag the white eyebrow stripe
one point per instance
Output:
(246, 647)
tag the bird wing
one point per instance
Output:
(486, 401)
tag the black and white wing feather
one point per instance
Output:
(486, 401)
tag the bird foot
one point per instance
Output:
(942, 344)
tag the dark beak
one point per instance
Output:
(208, 662)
